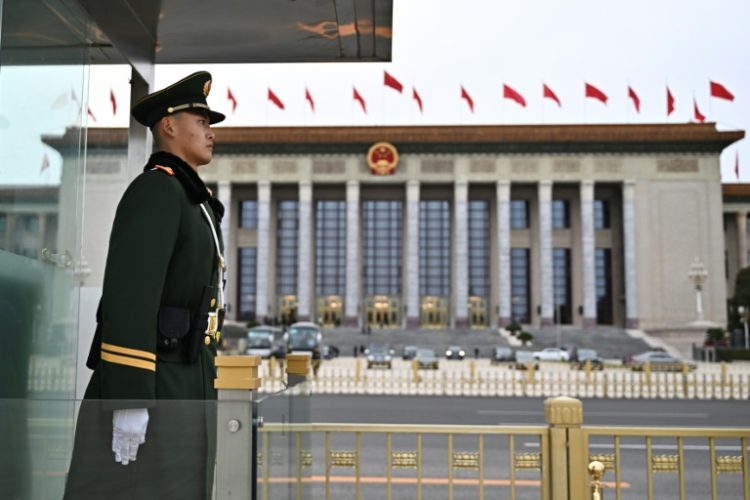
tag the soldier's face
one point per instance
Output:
(194, 138)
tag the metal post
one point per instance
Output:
(568, 449)
(237, 379)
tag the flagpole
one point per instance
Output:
(543, 105)
(710, 113)
(584, 103)
(627, 108)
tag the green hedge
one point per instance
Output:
(730, 354)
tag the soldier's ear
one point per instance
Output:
(166, 127)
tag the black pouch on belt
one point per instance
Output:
(198, 327)
(174, 325)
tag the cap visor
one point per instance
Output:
(215, 117)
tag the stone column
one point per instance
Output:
(505, 312)
(263, 271)
(742, 239)
(304, 252)
(224, 195)
(545, 251)
(631, 285)
(412, 254)
(461, 247)
(353, 266)
(588, 243)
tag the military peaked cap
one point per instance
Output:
(189, 94)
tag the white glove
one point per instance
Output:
(128, 432)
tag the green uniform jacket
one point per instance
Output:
(161, 254)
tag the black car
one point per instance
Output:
(579, 357)
(500, 354)
(409, 352)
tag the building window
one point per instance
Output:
(519, 214)
(747, 223)
(382, 226)
(519, 285)
(479, 248)
(604, 286)
(249, 214)
(601, 214)
(434, 248)
(561, 285)
(560, 214)
(287, 216)
(247, 282)
(330, 247)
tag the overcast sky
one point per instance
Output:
(440, 45)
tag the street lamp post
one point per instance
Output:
(743, 314)
(698, 275)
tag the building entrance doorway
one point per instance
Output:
(383, 311)
(330, 310)
(287, 307)
(477, 312)
(434, 313)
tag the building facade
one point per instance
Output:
(461, 227)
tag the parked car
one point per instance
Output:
(379, 355)
(551, 354)
(260, 341)
(659, 361)
(409, 352)
(328, 351)
(500, 354)
(523, 359)
(426, 358)
(455, 352)
(579, 357)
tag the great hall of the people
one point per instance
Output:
(459, 227)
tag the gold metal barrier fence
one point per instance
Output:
(490, 458)
(714, 382)
(405, 447)
(680, 442)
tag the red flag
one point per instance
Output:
(113, 100)
(45, 163)
(416, 97)
(469, 100)
(720, 91)
(697, 112)
(595, 93)
(308, 97)
(737, 164)
(513, 95)
(634, 97)
(91, 114)
(670, 102)
(547, 93)
(360, 99)
(391, 82)
(233, 99)
(275, 99)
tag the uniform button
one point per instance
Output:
(207, 340)
(213, 302)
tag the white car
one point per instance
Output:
(551, 354)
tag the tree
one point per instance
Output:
(525, 337)
(513, 328)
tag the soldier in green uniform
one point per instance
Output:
(147, 423)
